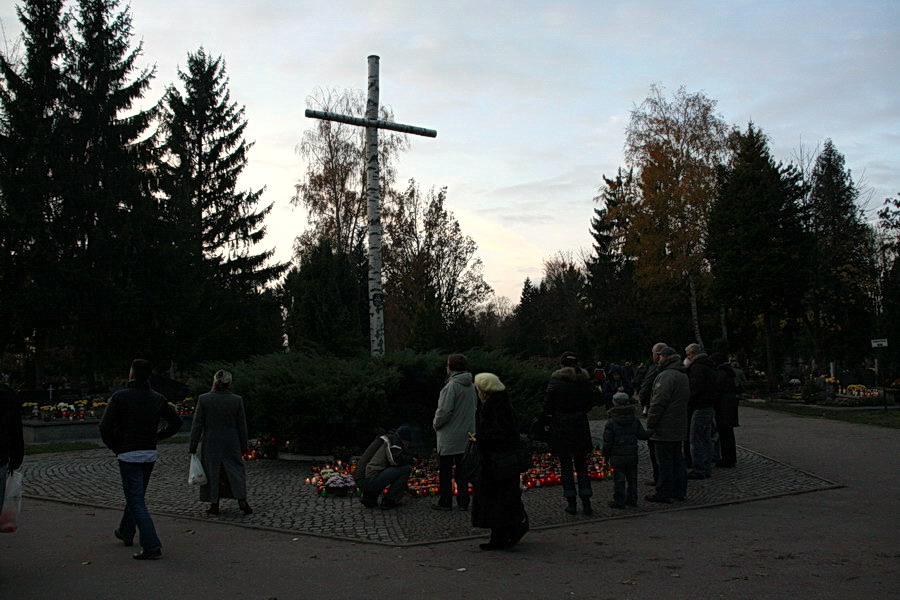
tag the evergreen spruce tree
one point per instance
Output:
(610, 292)
(756, 244)
(325, 300)
(31, 127)
(107, 223)
(214, 226)
(838, 302)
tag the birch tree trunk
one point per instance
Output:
(373, 192)
(695, 317)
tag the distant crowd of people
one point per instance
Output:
(690, 405)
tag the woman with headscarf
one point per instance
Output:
(497, 499)
(568, 399)
(220, 423)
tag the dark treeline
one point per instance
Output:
(124, 233)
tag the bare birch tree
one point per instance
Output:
(674, 146)
(333, 188)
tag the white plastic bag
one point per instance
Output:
(196, 476)
(12, 503)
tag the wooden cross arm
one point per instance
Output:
(329, 116)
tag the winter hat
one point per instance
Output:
(667, 351)
(404, 433)
(621, 398)
(488, 382)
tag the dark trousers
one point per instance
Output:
(672, 482)
(625, 485)
(569, 465)
(135, 477)
(651, 448)
(394, 478)
(450, 468)
(728, 446)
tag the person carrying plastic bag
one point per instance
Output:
(12, 452)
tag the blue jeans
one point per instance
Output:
(135, 477)
(672, 482)
(703, 428)
(570, 464)
(395, 477)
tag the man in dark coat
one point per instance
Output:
(667, 421)
(701, 410)
(568, 399)
(130, 428)
(12, 443)
(726, 410)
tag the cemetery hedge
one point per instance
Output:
(320, 402)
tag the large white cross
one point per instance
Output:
(373, 193)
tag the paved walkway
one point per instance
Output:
(836, 542)
(283, 501)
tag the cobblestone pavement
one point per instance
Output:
(283, 501)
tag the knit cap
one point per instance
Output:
(621, 398)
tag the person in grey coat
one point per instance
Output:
(220, 423)
(667, 418)
(454, 420)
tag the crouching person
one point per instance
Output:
(385, 464)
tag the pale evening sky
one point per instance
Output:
(531, 98)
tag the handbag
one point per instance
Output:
(12, 503)
(196, 475)
(470, 465)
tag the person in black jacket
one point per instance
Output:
(12, 443)
(568, 399)
(130, 429)
(497, 499)
(701, 411)
(726, 410)
(620, 448)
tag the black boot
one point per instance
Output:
(586, 505)
(572, 508)
(213, 509)
(245, 508)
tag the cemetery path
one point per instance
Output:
(838, 542)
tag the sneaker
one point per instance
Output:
(440, 507)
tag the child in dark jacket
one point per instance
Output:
(620, 447)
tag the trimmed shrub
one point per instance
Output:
(321, 403)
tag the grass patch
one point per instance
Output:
(60, 447)
(880, 418)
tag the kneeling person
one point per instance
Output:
(385, 464)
